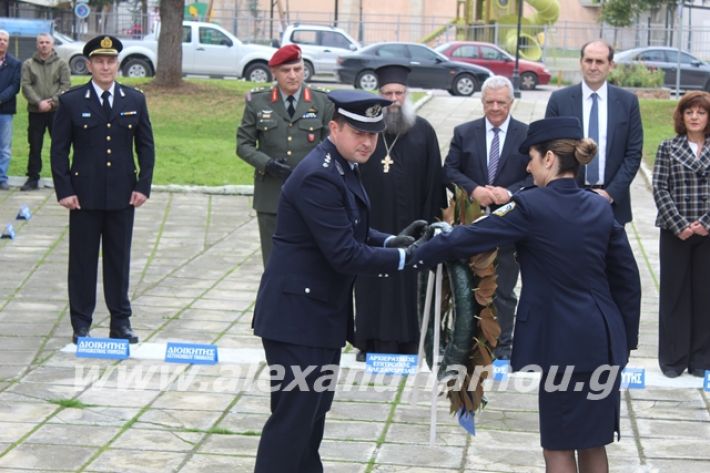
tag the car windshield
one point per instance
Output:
(64, 38)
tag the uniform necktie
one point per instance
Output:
(494, 156)
(290, 109)
(593, 166)
(106, 103)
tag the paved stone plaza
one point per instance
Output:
(195, 271)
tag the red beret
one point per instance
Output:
(286, 55)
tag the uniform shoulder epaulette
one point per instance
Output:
(73, 89)
(256, 90)
(134, 89)
(320, 89)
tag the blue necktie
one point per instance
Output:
(593, 166)
(494, 156)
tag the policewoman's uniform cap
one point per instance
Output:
(286, 55)
(392, 74)
(362, 110)
(553, 128)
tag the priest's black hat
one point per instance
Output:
(392, 74)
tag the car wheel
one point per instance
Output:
(464, 84)
(308, 72)
(77, 66)
(366, 80)
(257, 72)
(528, 81)
(137, 68)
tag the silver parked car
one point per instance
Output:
(694, 73)
(321, 46)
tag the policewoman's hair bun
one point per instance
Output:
(585, 150)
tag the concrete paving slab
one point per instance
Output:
(48, 457)
(136, 461)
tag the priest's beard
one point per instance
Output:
(399, 120)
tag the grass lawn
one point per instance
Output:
(195, 131)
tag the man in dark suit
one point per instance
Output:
(102, 121)
(304, 308)
(611, 117)
(484, 160)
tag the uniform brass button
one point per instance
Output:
(108, 125)
(86, 126)
(288, 152)
(108, 138)
(76, 173)
(379, 275)
(108, 164)
(310, 129)
(130, 126)
(308, 290)
(290, 125)
(108, 151)
(290, 138)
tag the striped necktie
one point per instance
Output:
(593, 166)
(494, 156)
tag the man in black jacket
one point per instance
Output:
(9, 87)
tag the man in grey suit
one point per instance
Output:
(611, 117)
(484, 160)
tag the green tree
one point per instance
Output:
(621, 13)
(169, 71)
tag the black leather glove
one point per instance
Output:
(427, 233)
(277, 169)
(407, 236)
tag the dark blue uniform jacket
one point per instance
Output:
(581, 293)
(322, 241)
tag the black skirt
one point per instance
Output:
(579, 413)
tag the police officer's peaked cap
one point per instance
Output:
(103, 45)
(286, 55)
(362, 110)
(392, 74)
(553, 128)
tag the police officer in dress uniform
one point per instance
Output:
(279, 127)
(103, 121)
(304, 308)
(581, 293)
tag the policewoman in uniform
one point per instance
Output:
(104, 122)
(279, 127)
(580, 300)
(304, 308)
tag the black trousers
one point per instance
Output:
(111, 230)
(37, 124)
(267, 228)
(505, 300)
(684, 303)
(292, 435)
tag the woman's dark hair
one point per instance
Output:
(570, 152)
(690, 100)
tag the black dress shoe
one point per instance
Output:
(123, 332)
(671, 373)
(30, 185)
(82, 332)
(699, 372)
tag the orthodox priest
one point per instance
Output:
(404, 182)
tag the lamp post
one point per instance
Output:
(516, 71)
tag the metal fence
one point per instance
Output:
(556, 42)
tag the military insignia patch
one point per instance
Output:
(374, 111)
(504, 209)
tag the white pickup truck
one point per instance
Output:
(207, 49)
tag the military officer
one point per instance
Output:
(103, 121)
(279, 127)
(304, 308)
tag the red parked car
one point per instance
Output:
(499, 61)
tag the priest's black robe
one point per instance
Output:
(386, 308)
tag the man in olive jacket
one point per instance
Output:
(280, 126)
(44, 76)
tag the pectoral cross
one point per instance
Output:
(387, 163)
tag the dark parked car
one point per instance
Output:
(500, 62)
(694, 73)
(430, 70)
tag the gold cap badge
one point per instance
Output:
(106, 43)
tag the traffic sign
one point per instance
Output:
(82, 10)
